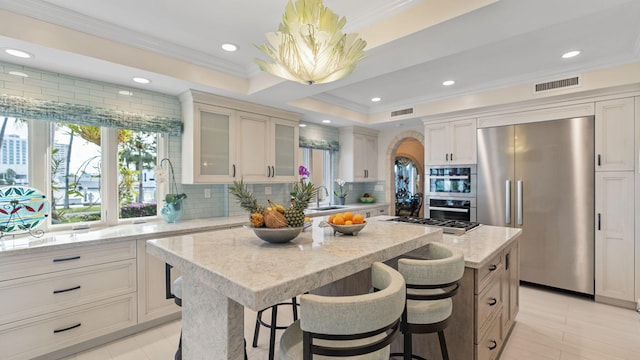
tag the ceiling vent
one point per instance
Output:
(557, 84)
(407, 111)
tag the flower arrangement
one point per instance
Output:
(161, 176)
(341, 192)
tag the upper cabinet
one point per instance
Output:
(358, 154)
(450, 143)
(226, 139)
(614, 135)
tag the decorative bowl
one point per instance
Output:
(276, 236)
(347, 229)
(369, 199)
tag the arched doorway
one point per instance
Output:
(406, 147)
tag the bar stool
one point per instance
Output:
(273, 325)
(348, 327)
(175, 291)
(431, 284)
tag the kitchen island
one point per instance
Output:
(225, 271)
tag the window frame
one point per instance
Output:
(40, 162)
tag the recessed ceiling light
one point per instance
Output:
(229, 47)
(376, 99)
(18, 73)
(326, 121)
(448, 83)
(18, 53)
(570, 54)
(125, 93)
(141, 80)
(302, 125)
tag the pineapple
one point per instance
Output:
(301, 194)
(245, 198)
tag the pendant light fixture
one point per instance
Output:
(310, 47)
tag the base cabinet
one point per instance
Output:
(152, 300)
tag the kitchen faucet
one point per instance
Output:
(326, 192)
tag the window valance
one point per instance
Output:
(36, 109)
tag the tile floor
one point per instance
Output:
(549, 326)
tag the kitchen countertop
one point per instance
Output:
(25, 244)
(478, 245)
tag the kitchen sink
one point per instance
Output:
(329, 207)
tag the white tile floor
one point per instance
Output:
(549, 326)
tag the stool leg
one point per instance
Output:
(408, 346)
(178, 355)
(443, 345)
(272, 335)
(294, 304)
(256, 332)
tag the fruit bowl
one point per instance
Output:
(347, 229)
(368, 199)
(276, 236)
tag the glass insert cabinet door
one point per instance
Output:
(214, 152)
(285, 149)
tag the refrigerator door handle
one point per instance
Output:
(507, 202)
(519, 202)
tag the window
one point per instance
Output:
(321, 166)
(91, 174)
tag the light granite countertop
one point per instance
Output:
(54, 240)
(258, 274)
(478, 245)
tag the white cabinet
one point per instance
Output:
(152, 299)
(358, 154)
(614, 143)
(209, 149)
(60, 298)
(381, 210)
(451, 143)
(615, 235)
(267, 148)
(226, 139)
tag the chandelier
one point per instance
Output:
(310, 47)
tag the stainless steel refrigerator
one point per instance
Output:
(540, 177)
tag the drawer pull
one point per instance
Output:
(65, 290)
(493, 267)
(67, 328)
(492, 301)
(494, 344)
(67, 259)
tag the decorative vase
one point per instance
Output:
(340, 200)
(172, 212)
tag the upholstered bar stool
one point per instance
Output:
(431, 283)
(348, 327)
(273, 325)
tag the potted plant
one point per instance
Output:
(173, 208)
(340, 193)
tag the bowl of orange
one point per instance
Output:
(347, 223)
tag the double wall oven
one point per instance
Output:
(451, 192)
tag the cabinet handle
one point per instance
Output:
(446, 157)
(65, 290)
(67, 328)
(268, 171)
(599, 221)
(234, 170)
(273, 171)
(451, 157)
(492, 301)
(506, 261)
(599, 160)
(67, 259)
(494, 344)
(493, 267)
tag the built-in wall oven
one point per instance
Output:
(451, 193)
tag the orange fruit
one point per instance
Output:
(358, 219)
(330, 220)
(348, 222)
(338, 220)
(348, 215)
